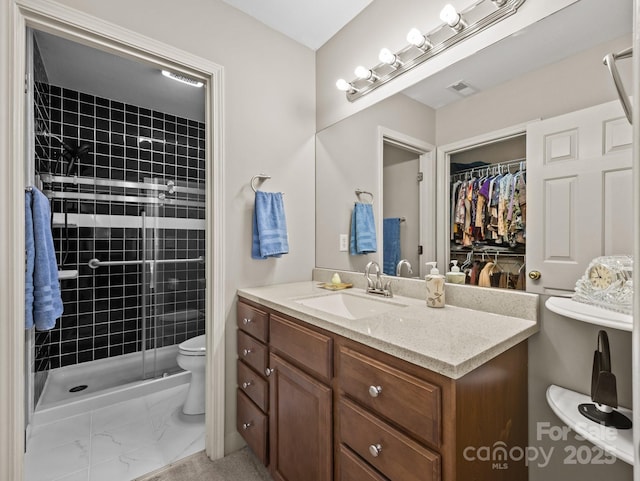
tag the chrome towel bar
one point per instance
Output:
(95, 263)
(610, 62)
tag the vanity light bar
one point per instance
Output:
(457, 26)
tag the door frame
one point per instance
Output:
(92, 31)
(443, 164)
(427, 189)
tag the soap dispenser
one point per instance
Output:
(435, 286)
(454, 276)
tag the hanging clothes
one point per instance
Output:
(489, 209)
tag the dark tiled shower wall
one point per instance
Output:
(41, 122)
(102, 307)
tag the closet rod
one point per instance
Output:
(487, 253)
(506, 163)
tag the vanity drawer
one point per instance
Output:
(253, 385)
(398, 457)
(252, 425)
(307, 348)
(352, 468)
(412, 403)
(253, 321)
(253, 352)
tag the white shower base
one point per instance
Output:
(108, 381)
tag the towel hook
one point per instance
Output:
(258, 177)
(360, 191)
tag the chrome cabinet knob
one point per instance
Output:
(375, 450)
(375, 391)
(268, 371)
(246, 321)
(246, 426)
(246, 352)
(534, 275)
(246, 384)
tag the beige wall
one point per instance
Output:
(346, 159)
(574, 83)
(269, 127)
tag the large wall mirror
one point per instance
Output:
(389, 149)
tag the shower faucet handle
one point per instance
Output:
(171, 187)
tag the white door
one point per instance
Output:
(579, 194)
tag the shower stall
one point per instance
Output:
(126, 184)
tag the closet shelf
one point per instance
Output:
(564, 403)
(566, 306)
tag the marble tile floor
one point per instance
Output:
(115, 443)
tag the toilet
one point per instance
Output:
(192, 355)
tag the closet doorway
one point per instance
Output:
(483, 219)
(407, 200)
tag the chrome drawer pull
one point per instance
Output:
(246, 426)
(246, 321)
(268, 371)
(375, 450)
(246, 352)
(375, 391)
(246, 384)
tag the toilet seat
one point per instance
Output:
(196, 346)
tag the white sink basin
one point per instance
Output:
(348, 305)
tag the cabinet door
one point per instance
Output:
(300, 425)
(579, 194)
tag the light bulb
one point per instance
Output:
(449, 15)
(386, 56)
(343, 85)
(363, 73)
(415, 37)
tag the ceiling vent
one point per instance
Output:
(462, 88)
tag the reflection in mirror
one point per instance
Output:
(350, 155)
(514, 81)
(401, 210)
(487, 215)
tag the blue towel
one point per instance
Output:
(363, 230)
(270, 238)
(46, 299)
(391, 245)
(30, 254)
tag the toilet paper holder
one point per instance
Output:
(603, 389)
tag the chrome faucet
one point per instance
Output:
(376, 287)
(402, 263)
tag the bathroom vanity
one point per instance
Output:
(397, 392)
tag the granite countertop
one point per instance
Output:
(451, 341)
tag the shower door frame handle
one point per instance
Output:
(143, 317)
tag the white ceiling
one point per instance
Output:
(584, 24)
(309, 22)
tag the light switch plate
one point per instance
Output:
(344, 242)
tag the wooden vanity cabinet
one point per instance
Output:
(252, 402)
(339, 410)
(301, 417)
(395, 415)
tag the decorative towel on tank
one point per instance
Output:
(391, 245)
(43, 300)
(270, 238)
(363, 230)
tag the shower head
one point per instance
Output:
(74, 154)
